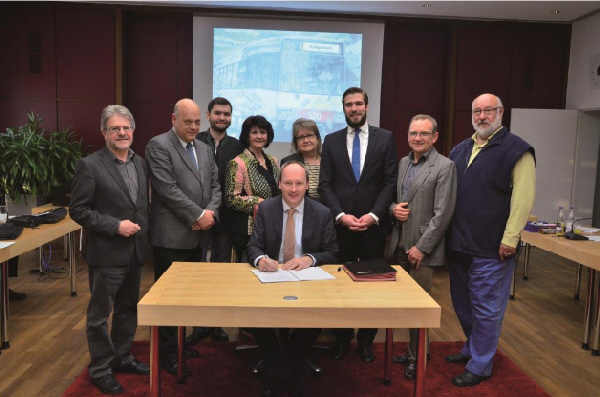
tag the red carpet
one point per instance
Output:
(220, 373)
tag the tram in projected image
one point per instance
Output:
(287, 75)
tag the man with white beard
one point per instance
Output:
(495, 195)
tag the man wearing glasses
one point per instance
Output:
(495, 195)
(421, 213)
(110, 199)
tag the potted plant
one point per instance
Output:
(64, 151)
(35, 160)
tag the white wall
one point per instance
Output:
(553, 135)
(586, 164)
(585, 43)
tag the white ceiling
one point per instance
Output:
(498, 10)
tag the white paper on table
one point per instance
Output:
(282, 276)
(594, 238)
(312, 273)
(4, 244)
(587, 229)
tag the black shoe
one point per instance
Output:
(400, 359)
(457, 358)
(219, 335)
(135, 367)
(107, 384)
(410, 372)
(366, 353)
(16, 296)
(191, 353)
(339, 350)
(172, 366)
(468, 378)
(268, 387)
(297, 389)
(197, 335)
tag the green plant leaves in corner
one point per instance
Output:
(34, 160)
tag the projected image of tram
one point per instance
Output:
(287, 77)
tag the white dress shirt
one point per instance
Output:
(363, 136)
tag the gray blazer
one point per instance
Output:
(100, 200)
(179, 192)
(431, 200)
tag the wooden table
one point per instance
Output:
(229, 295)
(29, 240)
(586, 253)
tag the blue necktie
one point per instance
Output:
(356, 154)
(190, 149)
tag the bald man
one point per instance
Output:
(495, 193)
(185, 200)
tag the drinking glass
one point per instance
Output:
(3, 214)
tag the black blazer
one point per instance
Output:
(292, 157)
(100, 199)
(318, 232)
(375, 190)
(229, 148)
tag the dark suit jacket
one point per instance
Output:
(431, 200)
(180, 192)
(228, 149)
(100, 199)
(318, 233)
(375, 190)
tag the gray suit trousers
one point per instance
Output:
(113, 289)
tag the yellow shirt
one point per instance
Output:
(523, 194)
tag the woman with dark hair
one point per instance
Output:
(250, 178)
(306, 146)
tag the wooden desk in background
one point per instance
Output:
(29, 240)
(229, 295)
(586, 253)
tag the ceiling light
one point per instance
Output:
(556, 12)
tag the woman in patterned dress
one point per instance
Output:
(250, 178)
(306, 146)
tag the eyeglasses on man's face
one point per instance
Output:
(422, 134)
(307, 136)
(486, 111)
(116, 129)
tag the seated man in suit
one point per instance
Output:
(296, 232)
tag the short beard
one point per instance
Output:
(484, 132)
(218, 129)
(362, 121)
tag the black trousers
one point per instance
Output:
(220, 250)
(283, 357)
(163, 258)
(117, 290)
(13, 267)
(353, 246)
(240, 242)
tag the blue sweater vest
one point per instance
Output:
(483, 194)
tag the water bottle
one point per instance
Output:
(570, 220)
(560, 222)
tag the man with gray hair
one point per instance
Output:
(495, 194)
(110, 199)
(421, 213)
